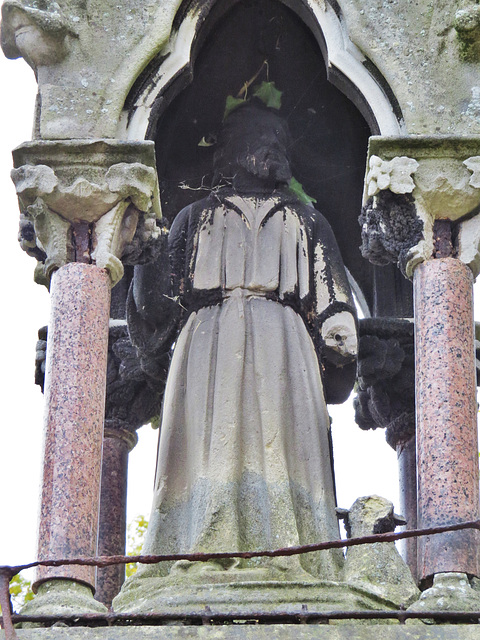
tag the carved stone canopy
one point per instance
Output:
(86, 201)
(426, 178)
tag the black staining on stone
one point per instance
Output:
(354, 519)
(134, 396)
(27, 238)
(153, 313)
(386, 378)
(40, 357)
(135, 378)
(134, 389)
(251, 160)
(390, 228)
(253, 149)
(144, 247)
(82, 242)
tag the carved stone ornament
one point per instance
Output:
(411, 182)
(467, 26)
(39, 35)
(386, 378)
(104, 191)
(395, 175)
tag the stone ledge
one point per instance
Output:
(258, 632)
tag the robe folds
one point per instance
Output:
(244, 459)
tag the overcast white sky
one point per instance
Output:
(365, 464)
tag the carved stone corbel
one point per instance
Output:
(87, 201)
(39, 35)
(411, 182)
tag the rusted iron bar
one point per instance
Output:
(262, 617)
(6, 621)
(106, 561)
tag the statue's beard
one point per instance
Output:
(267, 164)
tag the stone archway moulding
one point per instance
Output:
(346, 68)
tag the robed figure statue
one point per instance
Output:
(258, 306)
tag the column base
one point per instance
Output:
(61, 598)
(450, 592)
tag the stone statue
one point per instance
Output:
(268, 337)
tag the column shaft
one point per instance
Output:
(113, 516)
(407, 470)
(75, 405)
(447, 448)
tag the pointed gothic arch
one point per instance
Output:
(331, 98)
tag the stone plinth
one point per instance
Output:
(347, 631)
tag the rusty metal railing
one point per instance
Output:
(8, 618)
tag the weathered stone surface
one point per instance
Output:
(62, 597)
(257, 632)
(80, 55)
(377, 567)
(415, 45)
(450, 592)
(88, 56)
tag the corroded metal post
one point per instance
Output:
(447, 448)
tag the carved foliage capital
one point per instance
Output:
(116, 203)
(416, 179)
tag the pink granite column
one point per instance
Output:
(447, 449)
(75, 404)
(113, 511)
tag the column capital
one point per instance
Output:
(411, 182)
(93, 201)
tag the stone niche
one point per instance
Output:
(234, 42)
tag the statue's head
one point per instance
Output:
(254, 140)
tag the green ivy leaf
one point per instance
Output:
(298, 191)
(231, 104)
(269, 94)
